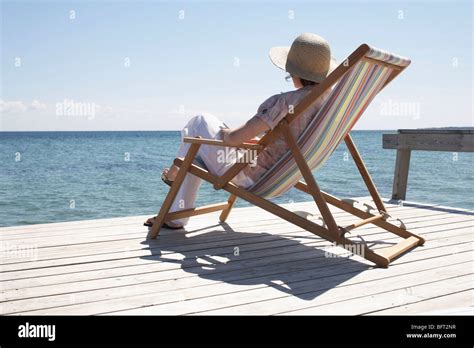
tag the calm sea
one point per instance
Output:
(65, 176)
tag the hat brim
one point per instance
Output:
(278, 56)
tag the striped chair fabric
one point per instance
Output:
(341, 110)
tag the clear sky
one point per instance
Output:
(151, 65)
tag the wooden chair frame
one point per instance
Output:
(330, 230)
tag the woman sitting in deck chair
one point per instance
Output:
(308, 61)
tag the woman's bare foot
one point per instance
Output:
(149, 222)
(170, 173)
(172, 225)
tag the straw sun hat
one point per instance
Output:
(309, 58)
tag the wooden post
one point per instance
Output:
(454, 139)
(400, 178)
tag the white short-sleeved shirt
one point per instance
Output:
(272, 111)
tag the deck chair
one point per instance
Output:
(356, 82)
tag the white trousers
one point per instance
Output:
(206, 126)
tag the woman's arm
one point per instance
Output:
(242, 134)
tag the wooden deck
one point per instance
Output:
(253, 264)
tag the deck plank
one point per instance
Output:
(407, 295)
(126, 259)
(132, 247)
(107, 266)
(236, 270)
(457, 303)
(173, 284)
(274, 254)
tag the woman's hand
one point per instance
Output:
(254, 140)
(245, 133)
(225, 135)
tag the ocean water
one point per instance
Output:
(66, 176)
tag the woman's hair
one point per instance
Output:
(307, 82)
(303, 81)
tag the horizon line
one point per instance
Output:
(138, 130)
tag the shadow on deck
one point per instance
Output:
(222, 267)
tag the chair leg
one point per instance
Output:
(230, 203)
(365, 252)
(364, 173)
(381, 257)
(310, 181)
(188, 160)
